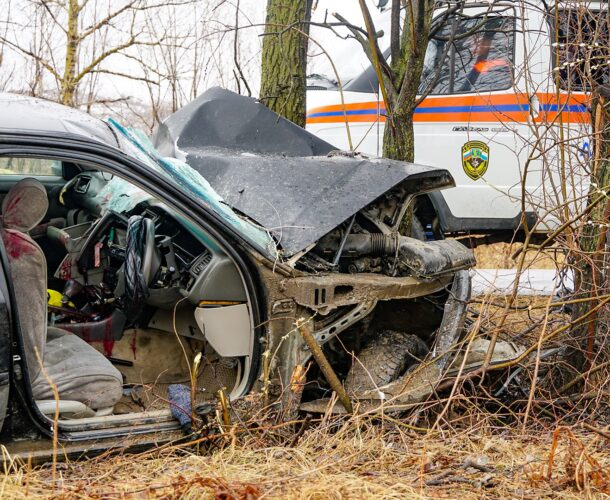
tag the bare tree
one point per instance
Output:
(189, 57)
(399, 79)
(399, 70)
(5, 70)
(80, 38)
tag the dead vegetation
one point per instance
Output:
(360, 457)
(467, 441)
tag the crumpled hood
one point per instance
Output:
(277, 173)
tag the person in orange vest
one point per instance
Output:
(482, 64)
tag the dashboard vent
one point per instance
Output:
(201, 263)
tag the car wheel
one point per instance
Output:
(383, 359)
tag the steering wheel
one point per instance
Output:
(142, 263)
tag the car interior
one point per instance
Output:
(117, 293)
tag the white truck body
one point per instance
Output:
(495, 101)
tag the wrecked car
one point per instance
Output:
(225, 255)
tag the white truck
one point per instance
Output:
(507, 113)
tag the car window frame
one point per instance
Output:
(41, 177)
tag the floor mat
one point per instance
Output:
(214, 375)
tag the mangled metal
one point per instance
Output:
(425, 259)
(265, 225)
(281, 176)
(336, 219)
(188, 178)
(416, 385)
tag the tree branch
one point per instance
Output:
(31, 54)
(124, 75)
(46, 7)
(129, 6)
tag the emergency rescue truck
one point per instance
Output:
(506, 113)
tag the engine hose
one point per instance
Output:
(374, 244)
(423, 258)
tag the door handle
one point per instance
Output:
(534, 106)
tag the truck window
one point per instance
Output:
(579, 54)
(479, 58)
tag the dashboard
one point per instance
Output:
(182, 265)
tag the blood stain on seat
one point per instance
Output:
(133, 343)
(65, 269)
(17, 245)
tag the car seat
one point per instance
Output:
(78, 371)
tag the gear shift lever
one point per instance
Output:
(71, 290)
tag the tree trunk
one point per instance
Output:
(398, 137)
(284, 58)
(68, 81)
(590, 262)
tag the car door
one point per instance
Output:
(5, 337)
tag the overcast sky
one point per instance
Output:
(348, 56)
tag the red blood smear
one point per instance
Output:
(12, 204)
(17, 244)
(11, 219)
(84, 333)
(108, 341)
(132, 344)
(65, 269)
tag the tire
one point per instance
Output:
(383, 360)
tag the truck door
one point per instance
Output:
(474, 122)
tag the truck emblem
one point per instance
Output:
(475, 159)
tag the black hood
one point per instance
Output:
(277, 173)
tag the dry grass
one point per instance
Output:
(348, 460)
(476, 452)
(499, 256)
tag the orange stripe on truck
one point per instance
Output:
(496, 108)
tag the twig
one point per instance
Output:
(581, 376)
(301, 431)
(604, 433)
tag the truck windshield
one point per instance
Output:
(346, 53)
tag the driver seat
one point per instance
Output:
(78, 371)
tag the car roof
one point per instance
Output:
(35, 116)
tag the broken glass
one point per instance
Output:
(138, 145)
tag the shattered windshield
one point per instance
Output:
(123, 196)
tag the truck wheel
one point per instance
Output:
(382, 360)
